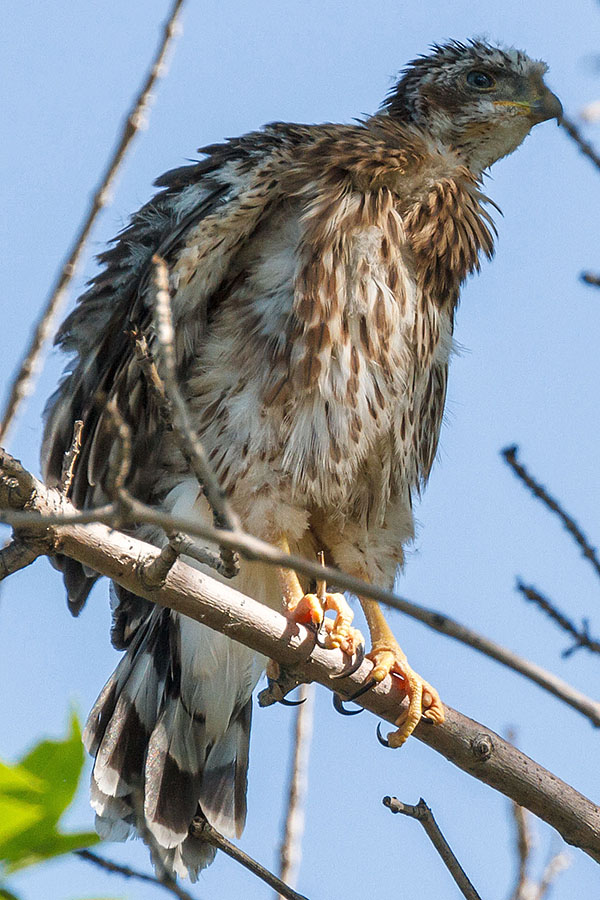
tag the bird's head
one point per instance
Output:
(475, 98)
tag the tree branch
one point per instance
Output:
(116, 869)
(254, 549)
(423, 814)
(581, 635)
(291, 846)
(23, 382)
(224, 515)
(575, 134)
(205, 832)
(539, 491)
(469, 745)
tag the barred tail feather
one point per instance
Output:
(163, 753)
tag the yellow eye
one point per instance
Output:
(480, 80)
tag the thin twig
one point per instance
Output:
(205, 832)
(23, 381)
(70, 458)
(120, 460)
(223, 513)
(254, 549)
(524, 844)
(423, 814)
(586, 148)
(591, 278)
(582, 636)
(510, 455)
(127, 872)
(291, 846)
(557, 864)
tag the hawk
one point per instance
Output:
(315, 273)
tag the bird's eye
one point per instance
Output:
(480, 80)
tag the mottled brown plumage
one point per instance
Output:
(315, 274)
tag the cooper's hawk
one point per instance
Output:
(315, 273)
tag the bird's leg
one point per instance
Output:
(309, 609)
(389, 659)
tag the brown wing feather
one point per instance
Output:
(229, 191)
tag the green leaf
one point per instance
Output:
(34, 793)
(6, 895)
(58, 765)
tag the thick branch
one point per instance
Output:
(22, 384)
(466, 743)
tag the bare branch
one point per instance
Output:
(557, 864)
(169, 885)
(469, 745)
(291, 846)
(423, 814)
(510, 455)
(202, 830)
(524, 844)
(154, 571)
(23, 381)
(254, 549)
(581, 635)
(224, 515)
(17, 555)
(575, 133)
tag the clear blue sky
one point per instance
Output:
(528, 373)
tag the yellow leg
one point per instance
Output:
(389, 659)
(309, 609)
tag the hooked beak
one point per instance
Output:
(548, 106)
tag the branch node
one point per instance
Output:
(482, 746)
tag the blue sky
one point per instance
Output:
(527, 372)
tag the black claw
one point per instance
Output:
(338, 704)
(285, 702)
(354, 665)
(383, 741)
(367, 686)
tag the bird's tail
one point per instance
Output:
(169, 734)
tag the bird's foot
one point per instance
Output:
(310, 611)
(424, 700)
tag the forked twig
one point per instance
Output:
(205, 832)
(582, 636)
(539, 491)
(423, 814)
(291, 845)
(23, 382)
